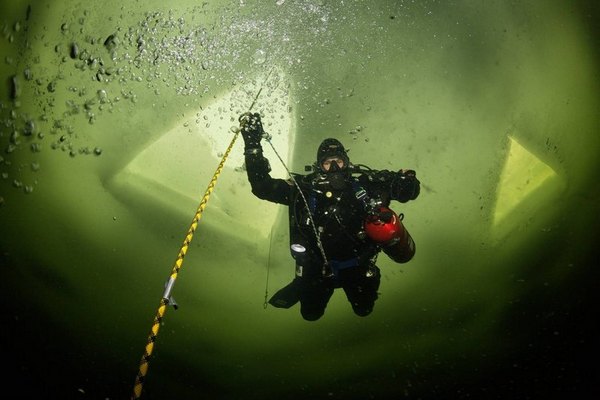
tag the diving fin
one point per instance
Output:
(287, 296)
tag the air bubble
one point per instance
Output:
(102, 96)
(15, 90)
(260, 56)
(74, 52)
(14, 137)
(29, 128)
(111, 42)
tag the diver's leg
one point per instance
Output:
(314, 296)
(361, 288)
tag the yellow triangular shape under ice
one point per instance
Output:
(522, 174)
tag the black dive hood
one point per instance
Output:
(331, 148)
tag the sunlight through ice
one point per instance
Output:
(176, 169)
(523, 174)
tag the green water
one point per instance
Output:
(115, 115)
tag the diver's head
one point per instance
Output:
(333, 163)
(332, 157)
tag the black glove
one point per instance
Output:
(252, 131)
(405, 186)
(382, 214)
(385, 215)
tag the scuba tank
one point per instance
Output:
(385, 228)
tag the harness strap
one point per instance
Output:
(361, 194)
(337, 265)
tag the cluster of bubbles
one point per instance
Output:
(94, 75)
(162, 51)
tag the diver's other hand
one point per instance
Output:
(384, 214)
(252, 129)
(405, 186)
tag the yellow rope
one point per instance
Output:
(164, 302)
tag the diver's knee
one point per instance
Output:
(312, 315)
(362, 311)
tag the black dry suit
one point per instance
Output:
(338, 202)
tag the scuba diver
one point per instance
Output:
(339, 221)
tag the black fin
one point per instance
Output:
(287, 296)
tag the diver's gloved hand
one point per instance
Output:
(380, 213)
(384, 214)
(252, 130)
(405, 186)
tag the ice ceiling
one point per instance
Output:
(115, 116)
